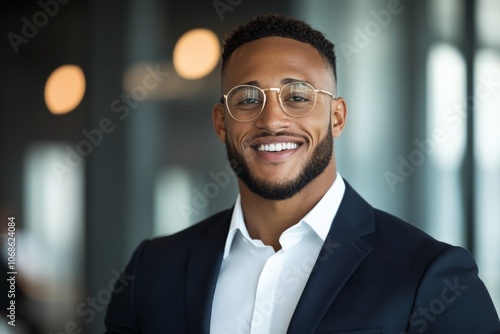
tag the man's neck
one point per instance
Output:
(267, 219)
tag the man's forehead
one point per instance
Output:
(288, 59)
(283, 44)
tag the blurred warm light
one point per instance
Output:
(196, 53)
(64, 89)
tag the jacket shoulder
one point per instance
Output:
(404, 235)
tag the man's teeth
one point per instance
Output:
(277, 147)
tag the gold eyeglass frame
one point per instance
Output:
(277, 90)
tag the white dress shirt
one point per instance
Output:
(258, 289)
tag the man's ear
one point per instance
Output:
(218, 119)
(339, 114)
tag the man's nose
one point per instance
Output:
(273, 117)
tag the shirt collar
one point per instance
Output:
(319, 219)
(321, 216)
(237, 224)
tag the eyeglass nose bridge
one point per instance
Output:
(272, 89)
(277, 90)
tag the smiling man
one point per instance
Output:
(300, 251)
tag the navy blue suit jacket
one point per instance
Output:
(375, 274)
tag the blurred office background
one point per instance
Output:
(106, 134)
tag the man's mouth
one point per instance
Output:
(277, 147)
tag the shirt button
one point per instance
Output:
(244, 240)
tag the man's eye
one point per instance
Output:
(297, 98)
(250, 101)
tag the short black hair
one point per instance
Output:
(279, 25)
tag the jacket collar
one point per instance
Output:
(342, 253)
(202, 272)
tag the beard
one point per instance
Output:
(281, 190)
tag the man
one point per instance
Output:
(300, 251)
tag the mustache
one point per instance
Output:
(276, 134)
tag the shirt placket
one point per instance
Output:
(267, 295)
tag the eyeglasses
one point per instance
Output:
(246, 102)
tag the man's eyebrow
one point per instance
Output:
(288, 80)
(283, 81)
(252, 83)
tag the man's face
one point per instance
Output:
(270, 62)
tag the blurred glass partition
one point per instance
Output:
(487, 144)
(51, 246)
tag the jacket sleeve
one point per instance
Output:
(452, 299)
(121, 314)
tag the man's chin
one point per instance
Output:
(274, 175)
(276, 190)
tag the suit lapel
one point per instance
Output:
(342, 253)
(202, 272)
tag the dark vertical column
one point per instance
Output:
(145, 123)
(105, 166)
(469, 49)
(418, 41)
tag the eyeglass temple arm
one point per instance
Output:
(326, 92)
